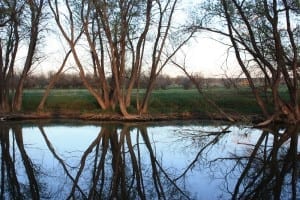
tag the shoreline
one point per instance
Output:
(20, 116)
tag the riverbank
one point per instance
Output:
(134, 118)
(169, 104)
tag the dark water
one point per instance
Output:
(186, 160)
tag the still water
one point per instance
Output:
(174, 160)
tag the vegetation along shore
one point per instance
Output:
(165, 104)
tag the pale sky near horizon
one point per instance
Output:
(207, 57)
(204, 54)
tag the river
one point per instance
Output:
(158, 160)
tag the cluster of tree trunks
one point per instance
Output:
(116, 34)
(21, 20)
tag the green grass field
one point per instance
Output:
(162, 101)
(60, 99)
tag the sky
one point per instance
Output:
(206, 56)
(202, 55)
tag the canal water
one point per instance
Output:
(157, 160)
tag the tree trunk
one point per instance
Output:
(4, 106)
(231, 29)
(4, 102)
(119, 95)
(52, 82)
(71, 40)
(97, 64)
(140, 47)
(36, 13)
(29, 167)
(18, 97)
(144, 107)
(7, 63)
(99, 99)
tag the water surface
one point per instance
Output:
(174, 160)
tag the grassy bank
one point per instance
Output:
(162, 101)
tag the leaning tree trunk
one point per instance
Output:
(52, 82)
(144, 107)
(36, 13)
(28, 164)
(17, 101)
(18, 98)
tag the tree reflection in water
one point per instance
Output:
(112, 166)
(270, 168)
(264, 169)
(122, 162)
(14, 158)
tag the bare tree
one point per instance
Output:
(265, 166)
(16, 28)
(116, 34)
(264, 36)
(13, 147)
(113, 166)
(9, 44)
(196, 81)
(36, 9)
(161, 52)
(53, 81)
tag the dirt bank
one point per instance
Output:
(118, 117)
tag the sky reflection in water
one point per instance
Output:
(159, 161)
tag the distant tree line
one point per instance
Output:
(73, 81)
